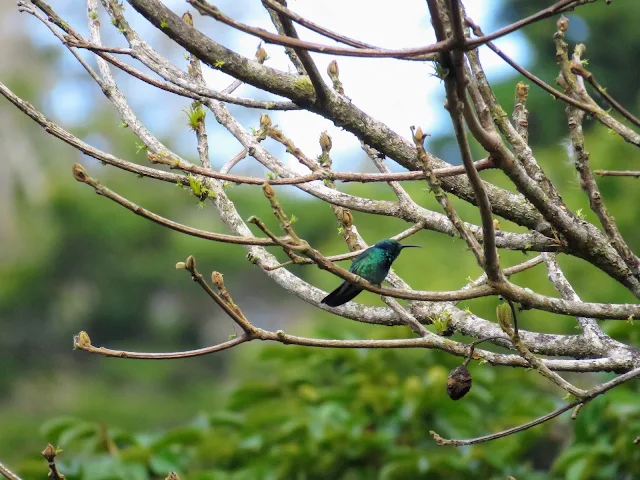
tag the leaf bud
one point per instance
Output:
(325, 142)
(190, 263)
(504, 315)
(265, 121)
(268, 191)
(333, 69)
(562, 24)
(80, 174)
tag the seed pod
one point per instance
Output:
(458, 383)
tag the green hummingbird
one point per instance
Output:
(373, 265)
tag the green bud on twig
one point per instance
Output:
(503, 313)
(522, 92)
(325, 142)
(190, 263)
(562, 24)
(347, 217)
(81, 340)
(265, 121)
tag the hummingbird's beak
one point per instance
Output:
(411, 246)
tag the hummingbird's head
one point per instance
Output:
(392, 247)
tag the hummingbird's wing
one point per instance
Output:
(345, 292)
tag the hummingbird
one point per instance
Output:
(373, 265)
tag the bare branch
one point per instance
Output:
(590, 396)
(8, 474)
(81, 175)
(618, 173)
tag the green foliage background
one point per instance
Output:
(78, 262)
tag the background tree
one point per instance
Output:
(558, 231)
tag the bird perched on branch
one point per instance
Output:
(373, 265)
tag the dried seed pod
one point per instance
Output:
(458, 383)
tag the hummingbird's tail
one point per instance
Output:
(345, 292)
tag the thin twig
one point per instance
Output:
(591, 394)
(506, 314)
(82, 342)
(8, 474)
(443, 199)
(291, 53)
(310, 68)
(589, 326)
(455, 85)
(312, 177)
(590, 187)
(618, 173)
(227, 305)
(106, 158)
(206, 8)
(81, 175)
(579, 69)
